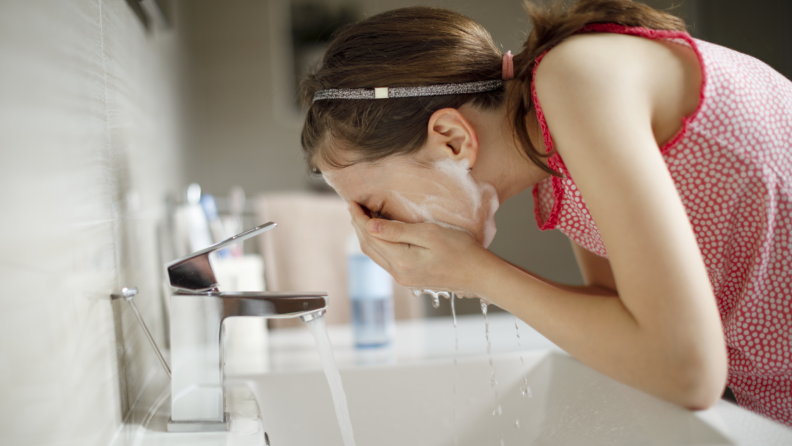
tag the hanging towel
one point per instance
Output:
(307, 252)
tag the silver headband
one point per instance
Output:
(407, 92)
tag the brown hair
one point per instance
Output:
(422, 46)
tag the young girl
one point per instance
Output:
(665, 159)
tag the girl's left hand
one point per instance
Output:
(420, 255)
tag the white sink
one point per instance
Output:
(414, 404)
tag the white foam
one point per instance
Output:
(478, 200)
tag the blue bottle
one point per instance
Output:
(371, 294)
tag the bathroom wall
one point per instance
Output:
(90, 142)
(761, 28)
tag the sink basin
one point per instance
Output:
(415, 404)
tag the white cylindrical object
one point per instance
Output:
(371, 294)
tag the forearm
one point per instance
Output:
(595, 327)
(589, 290)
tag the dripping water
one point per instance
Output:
(453, 314)
(526, 390)
(435, 295)
(456, 354)
(497, 410)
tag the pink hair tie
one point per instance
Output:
(508, 66)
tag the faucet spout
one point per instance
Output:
(198, 311)
(271, 305)
(311, 316)
(198, 397)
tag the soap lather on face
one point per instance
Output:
(443, 193)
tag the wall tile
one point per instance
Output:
(90, 143)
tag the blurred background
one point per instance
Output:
(109, 109)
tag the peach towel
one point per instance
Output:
(307, 252)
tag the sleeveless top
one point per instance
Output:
(732, 166)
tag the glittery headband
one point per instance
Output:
(407, 92)
(426, 90)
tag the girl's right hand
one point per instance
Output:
(421, 255)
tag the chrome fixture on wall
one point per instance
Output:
(128, 293)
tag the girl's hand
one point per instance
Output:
(421, 255)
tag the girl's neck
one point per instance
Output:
(501, 161)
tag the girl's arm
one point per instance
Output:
(601, 95)
(596, 270)
(590, 287)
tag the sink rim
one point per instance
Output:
(537, 357)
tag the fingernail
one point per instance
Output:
(374, 226)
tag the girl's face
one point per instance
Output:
(442, 192)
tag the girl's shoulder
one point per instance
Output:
(604, 56)
(627, 70)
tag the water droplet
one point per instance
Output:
(517, 330)
(416, 292)
(516, 424)
(493, 380)
(436, 300)
(502, 443)
(526, 391)
(497, 411)
(453, 315)
(456, 350)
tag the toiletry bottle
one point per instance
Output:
(371, 295)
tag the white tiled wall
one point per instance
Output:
(89, 146)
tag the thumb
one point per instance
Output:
(389, 230)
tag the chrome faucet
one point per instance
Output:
(197, 312)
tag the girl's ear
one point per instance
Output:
(451, 136)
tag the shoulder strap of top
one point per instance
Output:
(555, 162)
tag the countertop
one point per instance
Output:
(293, 350)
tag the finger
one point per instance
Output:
(359, 220)
(396, 231)
(359, 217)
(371, 251)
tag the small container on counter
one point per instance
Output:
(371, 295)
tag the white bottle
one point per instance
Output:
(371, 294)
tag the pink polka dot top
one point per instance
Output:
(732, 165)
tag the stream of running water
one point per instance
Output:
(319, 332)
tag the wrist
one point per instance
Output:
(481, 269)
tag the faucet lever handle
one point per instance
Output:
(193, 273)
